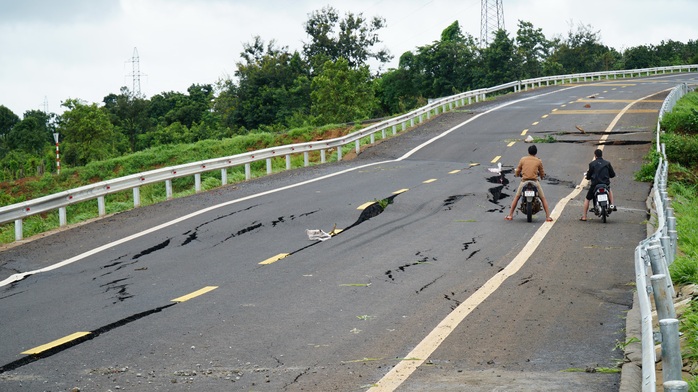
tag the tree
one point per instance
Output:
(33, 134)
(532, 48)
(129, 114)
(7, 120)
(342, 94)
(87, 133)
(354, 39)
(500, 62)
(273, 86)
(582, 51)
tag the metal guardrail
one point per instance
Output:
(652, 259)
(18, 212)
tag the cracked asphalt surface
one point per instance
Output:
(338, 315)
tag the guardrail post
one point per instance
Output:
(429, 113)
(373, 135)
(403, 126)
(306, 159)
(288, 162)
(19, 230)
(322, 156)
(668, 252)
(62, 216)
(268, 165)
(663, 304)
(383, 132)
(675, 386)
(412, 122)
(197, 182)
(470, 100)
(394, 129)
(224, 176)
(339, 153)
(671, 350)
(357, 146)
(659, 265)
(136, 197)
(101, 206)
(248, 171)
(168, 189)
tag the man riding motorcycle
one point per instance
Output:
(600, 172)
(530, 168)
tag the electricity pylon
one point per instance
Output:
(491, 20)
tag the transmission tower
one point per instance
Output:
(136, 73)
(491, 20)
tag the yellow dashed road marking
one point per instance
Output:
(55, 343)
(274, 259)
(365, 205)
(545, 116)
(498, 157)
(454, 171)
(399, 191)
(524, 132)
(429, 181)
(535, 123)
(195, 294)
(511, 144)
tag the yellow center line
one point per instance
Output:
(496, 159)
(545, 116)
(55, 343)
(274, 259)
(555, 110)
(195, 294)
(429, 181)
(535, 123)
(454, 171)
(511, 144)
(365, 205)
(399, 191)
(524, 132)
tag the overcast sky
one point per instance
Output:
(52, 50)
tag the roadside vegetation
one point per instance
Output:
(681, 140)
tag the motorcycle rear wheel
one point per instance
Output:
(603, 214)
(529, 212)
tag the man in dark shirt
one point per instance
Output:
(600, 172)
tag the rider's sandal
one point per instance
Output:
(583, 219)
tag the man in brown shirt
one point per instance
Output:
(530, 168)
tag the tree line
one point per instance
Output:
(329, 81)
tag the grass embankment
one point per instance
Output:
(163, 156)
(681, 140)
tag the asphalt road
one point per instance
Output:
(435, 292)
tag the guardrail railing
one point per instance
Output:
(652, 259)
(59, 201)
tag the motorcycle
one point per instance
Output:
(530, 202)
(601, 205)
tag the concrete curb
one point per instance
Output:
(631, 372)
